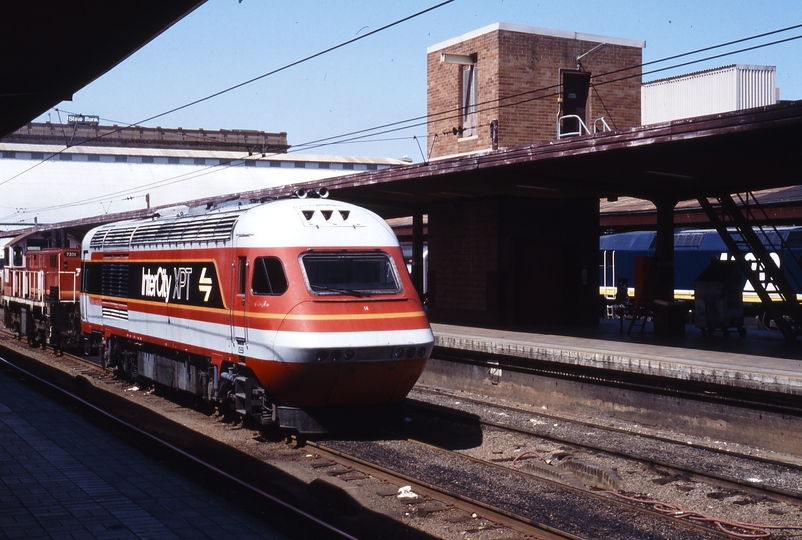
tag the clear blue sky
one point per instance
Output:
(382, 78)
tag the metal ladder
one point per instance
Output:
(744, 239)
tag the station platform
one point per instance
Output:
(762, 360)
(61, 477)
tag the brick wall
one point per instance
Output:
(519, 74)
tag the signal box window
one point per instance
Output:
(470, 100)
(268, 276)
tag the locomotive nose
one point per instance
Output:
(345, 357)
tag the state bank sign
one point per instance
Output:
(83, 119)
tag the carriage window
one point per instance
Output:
(357, 274)
(268, 276)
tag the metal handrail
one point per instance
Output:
(605, 127)
(30, 284)
(582, 126)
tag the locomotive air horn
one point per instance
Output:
(300, 193)
(323, 193)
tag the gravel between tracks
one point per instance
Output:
(745, 504)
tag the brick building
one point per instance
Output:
(524, 78)
(528, 259)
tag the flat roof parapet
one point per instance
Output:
(149, 137)
(538, 31)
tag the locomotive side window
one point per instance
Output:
(268, 276)
(350, 273)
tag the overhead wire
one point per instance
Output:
(317, 143)
(254, 79)
(392, 127)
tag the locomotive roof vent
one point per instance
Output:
(327, 216)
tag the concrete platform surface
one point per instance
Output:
(760, 361)
(61, 477)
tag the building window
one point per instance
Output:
(470, 100)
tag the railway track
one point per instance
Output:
(517, 495)
(474, 472)
(711, 461)
(718, 485)
(436, 512)
(295, 521)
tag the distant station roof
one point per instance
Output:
(53, 49)
(84, 132)
(98, 183)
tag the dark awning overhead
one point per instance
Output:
(53, 49)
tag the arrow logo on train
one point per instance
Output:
(205, 284)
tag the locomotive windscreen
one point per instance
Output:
(351, 273)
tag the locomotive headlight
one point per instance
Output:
(336, 354)
(398, 353)
(421, 351)
(410, 352)
(349, 354)
(322, 354)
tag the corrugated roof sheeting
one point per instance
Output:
(728, 88)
